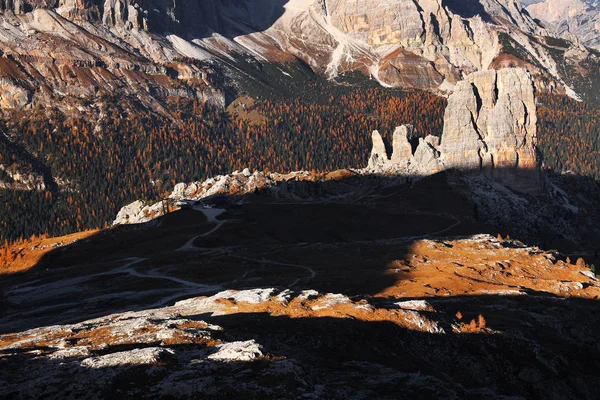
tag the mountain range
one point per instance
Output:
(576, 20)
(70, 52)
(311, 199)
(72, 69)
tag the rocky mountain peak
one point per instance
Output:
(489, 128)
(427, 44)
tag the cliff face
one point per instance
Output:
(489, 127)
(571, 19)
(60, 51)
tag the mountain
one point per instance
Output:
(70, 52)
(458, 263)
(382, 282)
(572, 19)
(104, 103)
(489, 139)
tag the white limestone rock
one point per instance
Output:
(129, 213)
(489, 127)
(143, 356)
(237, 351)
(178, 192)
(402, 150)
(490, 123)
(571, 19)
(426, 158)
(379, 159)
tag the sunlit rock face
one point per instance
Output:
(378, 23)
(489, 128)
(402, 150)
(86, 48)
(422, 43)
(490, 125)
(379, 158)
(570, 18)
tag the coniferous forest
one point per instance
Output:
(91, 168)
(569, 135)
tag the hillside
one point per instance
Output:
(104, 103)
(385, 293)
(308, 199)
(452, 262)
(573, 19)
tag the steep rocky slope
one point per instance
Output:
(489, 127)
(572, 19)
(70, 52)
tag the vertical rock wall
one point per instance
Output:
(489, 128)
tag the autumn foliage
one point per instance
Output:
(103, 164)
(92, 167)
(568, 135)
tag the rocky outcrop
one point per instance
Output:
(237, 183)
(130, 214)
(489, 128)
(18, 180)
(402, 150)
(379, 157)
(490, 125)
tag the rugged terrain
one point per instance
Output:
(453, 266)
(159, 92)
(369, 283)
(573, 19)
(489, 139)
(297, 298)
(70, 53)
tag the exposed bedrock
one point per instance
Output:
(489, 128)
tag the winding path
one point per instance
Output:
(211, 216)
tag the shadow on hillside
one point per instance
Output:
(550, 356)
(289, 237)
(199, 19)
(467, 8)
